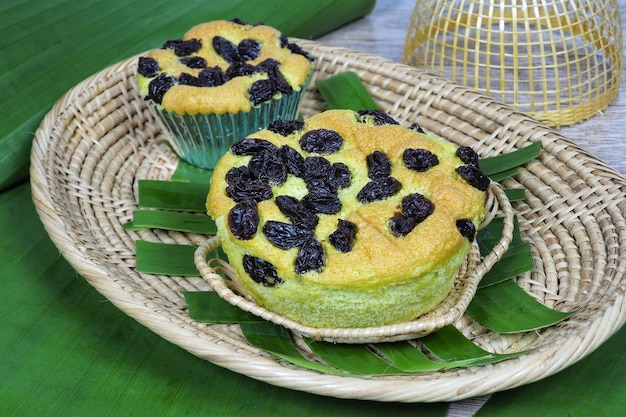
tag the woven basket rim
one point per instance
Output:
(446, 313)
(573, 201)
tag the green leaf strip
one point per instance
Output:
(502, 175)
(489, 236)
(353, 358)
(449, 344)
(165, 258)
(346, 91)
(405, 358)
(450, 348)
(277, 341)
(506, 308)
(208, 307)
(499, 164)
(173, 195)
(515, 194)
(172, 220)
(186, 172)
(517, 260)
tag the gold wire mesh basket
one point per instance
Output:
(558, 60)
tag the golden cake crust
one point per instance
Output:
(378, 258)
(233, 95)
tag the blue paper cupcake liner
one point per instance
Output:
(202, 139)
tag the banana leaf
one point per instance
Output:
(346, 91)
(173, 195)
(68, 352)
(507, 308)
(171, 220)
(593, 387)
(48, 46)
(165, 258)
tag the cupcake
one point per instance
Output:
(347, 219)
(221, 82)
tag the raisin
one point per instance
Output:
(339, 176)
(183, 47)
(268, 166)
(378, 165)
(279, 80)
(310, 257)
(379, 117)
(284, 41)
(296, 212)
(285, 235)
(193, 61)
(188, 47)
(226, 49)
(343, 238)
(402, 225)
(148, 67)
(267, 64)
(417, 206)
(466, 228)
(239, 21)
(419, 160)
(285, 127)
(239, 69)
(252, 146)
(474, 177)
(211, 77)
(379, 189)
(295, 49)
(261, 91)
(261, 271)
(467, 155)
(243, 219)
(316, 167)
(293, 161)
(417, 128)
(188, 79)
(255, 190)
(320, 185)
(415, 209)
(159, 86)
(321, 141)
(322, 202)
(238, 174)
(249, 49)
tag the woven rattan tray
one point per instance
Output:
(100, 138)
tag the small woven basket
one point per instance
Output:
(447, 312)
(559, 61)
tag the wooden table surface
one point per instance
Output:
(382, 33)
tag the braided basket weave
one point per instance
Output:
(100, 139)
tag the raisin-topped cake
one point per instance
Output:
(221, 81)
(347, 219)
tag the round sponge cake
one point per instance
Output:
(347, 219)
(222, 67)
(220, 82)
